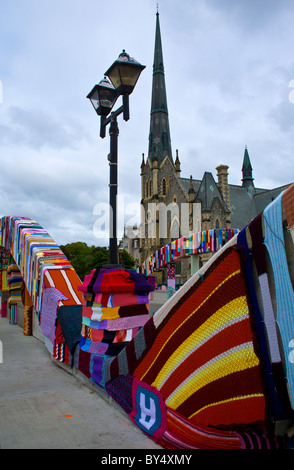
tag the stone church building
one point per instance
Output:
(223, 205)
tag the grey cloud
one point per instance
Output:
(283, 116)
(251, 15)
(36, 129)
(224, 90)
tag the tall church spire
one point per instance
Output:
(247, 179)
(159, 136)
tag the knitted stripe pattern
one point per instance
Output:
(38, 261)
(126, 361)
(201, 357)
(203, 360)
(274, 242)
(287, 198)
(14, 279)
(274, 406)
(182, 434)
(120, 389)
(107, 329)
(256, 230)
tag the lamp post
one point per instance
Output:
(123, 75)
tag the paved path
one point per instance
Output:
(44, 407)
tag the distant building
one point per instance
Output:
(223, 205)
(131, 243)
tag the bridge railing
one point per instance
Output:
(208, 241)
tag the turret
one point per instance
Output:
(247, 180)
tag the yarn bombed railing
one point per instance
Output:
(31, 265)
(213, 368)
(208, 241)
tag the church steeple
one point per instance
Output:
(247, 179)
(159, 136)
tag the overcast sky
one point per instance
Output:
(228, 69)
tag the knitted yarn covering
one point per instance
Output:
(202, 358)
(115, 308)
(211, 369)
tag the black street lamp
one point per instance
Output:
(123, 75)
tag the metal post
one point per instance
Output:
(126, 109)
(113, 131)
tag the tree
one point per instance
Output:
(101, 256)
(84, 258)
(126, 259)
(80, 256)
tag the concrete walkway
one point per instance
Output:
(44, 407)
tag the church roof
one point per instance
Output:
(245, 204)
(265, 197)
(208, 191)
(186, 184)
(242, 206)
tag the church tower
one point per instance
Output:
(161, 181)
(159, 135)
(159, 169)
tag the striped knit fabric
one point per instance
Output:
(203, 360)
(4, 289)
(202, 357)
(258, 440)
(274, 242)
(13, 313)
(38, 261)
(50, 302)
(273, 403)
(27, 311)
(120, 389)
(182, 434)
(36, 254)
(258, 249)
(115, 307)
(28, 321)
(61, 353)
(14, 279)
(287, 198)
